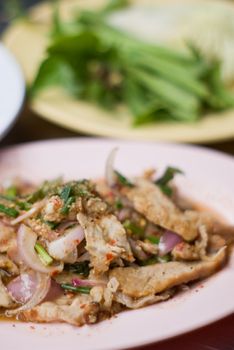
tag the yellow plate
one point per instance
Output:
(28, 40)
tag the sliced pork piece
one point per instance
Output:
(138, 282)
(202, 218)
(196, 251)
(148, 199)
(77, 311)
(226, 232)
(215, 243)
(133, 303)
(107, 296)
(185, 251)
(105, 240)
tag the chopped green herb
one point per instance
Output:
(47, 188)
(154, 260)
(151, 261)
(43, 255)
(7, 198)
(164, 181)
(114, 5)
(123, 180)
(35, 196)
(83, 188)
(65, 209)
(82, 192)
(167, 190)
(65, 192)
(12, 212)
(52, 224)
(81, 268)
(11, 191)
(136, 230)
(153, 239)
(67, 197)
(118, 204)
(23, 205)
(71, 288)
(168, 175)
(97, 62)
(164, 258)
(72, 190)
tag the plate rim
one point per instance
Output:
(94, 139)
(54, 118)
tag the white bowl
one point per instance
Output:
(12, 90)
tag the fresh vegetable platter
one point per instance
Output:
(87, 75)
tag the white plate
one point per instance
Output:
(209, 178)
(12, 90)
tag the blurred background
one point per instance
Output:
(28, 126)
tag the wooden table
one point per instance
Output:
(30, 127)
(218, 336)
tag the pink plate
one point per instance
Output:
(209, 180)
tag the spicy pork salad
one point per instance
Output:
(83, 250)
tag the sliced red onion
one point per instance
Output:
(55, 291)
(109, 172)
(77, 282)
(64, 245)
(26, 240)
(28, 213)
(168, 241)
(36, 292)
(23, 287)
